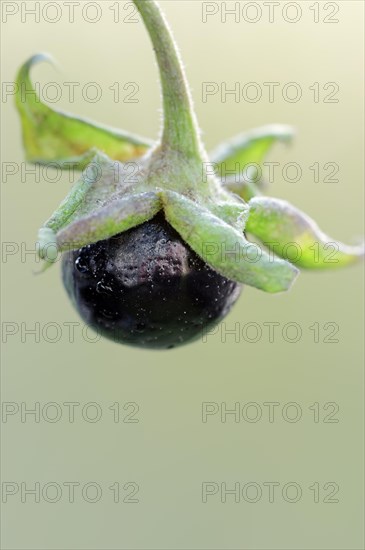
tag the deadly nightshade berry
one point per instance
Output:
(154, 237)
(146, 287)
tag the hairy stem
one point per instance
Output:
(180, 131)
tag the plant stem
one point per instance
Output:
(180, 131)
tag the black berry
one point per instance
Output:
(146, 287)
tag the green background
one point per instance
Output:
(170, 452)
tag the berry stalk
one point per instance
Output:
(180, 130)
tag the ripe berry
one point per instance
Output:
(146, 287)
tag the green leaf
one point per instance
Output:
(98, 184)
(116, 217)
(294, 236)
(249, 148)
(99, 205)
(51, 135)
(242, 187)
(224, 248)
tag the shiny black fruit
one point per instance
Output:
(146, 287)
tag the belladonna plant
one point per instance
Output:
(155, 259)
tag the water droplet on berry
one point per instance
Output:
(81, 265)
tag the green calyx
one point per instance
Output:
(127, 180)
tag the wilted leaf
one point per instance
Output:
(51, 135)
(224, 248)
(248, 148)
(118, 216)
(294, 236)
(242, 187)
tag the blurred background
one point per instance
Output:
(142, 437)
